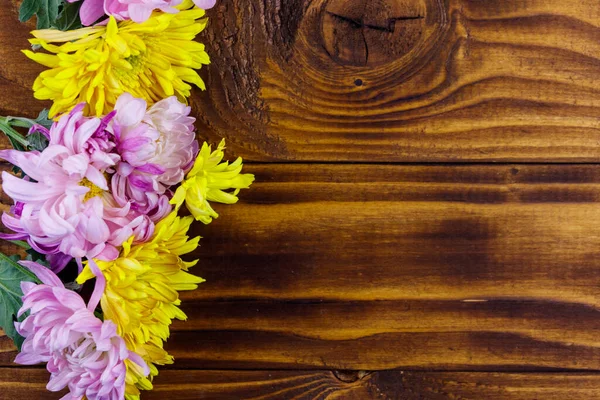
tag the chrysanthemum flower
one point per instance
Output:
(152, 61)
(207, 181)
(141, 294)
(63, 206)
(83, 353)
(157, 147)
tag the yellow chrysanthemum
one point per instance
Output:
(141, 295)
(152, 60)
(207, 180)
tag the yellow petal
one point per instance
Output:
(47, 60)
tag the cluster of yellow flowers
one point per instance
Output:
(151, 60)
(141, 294)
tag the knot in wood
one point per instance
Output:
(372, 32)
(349, 376)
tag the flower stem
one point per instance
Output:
(13, 135)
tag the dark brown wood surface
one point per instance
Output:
(345, 274)
(470, 267)
(294, 385)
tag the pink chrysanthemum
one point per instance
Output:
(63, 204)
(135, 10)
(83, 353)
(157, 147)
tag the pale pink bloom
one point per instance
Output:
(83, 353)
(176, 147)
(136, 10)
(157, 147)
(64, 205)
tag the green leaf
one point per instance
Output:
(11, 276)
(43, 120)
(28, 9)
(37, 141)
(43, 21)
(68, 19)
(53, 6)
(46, 11)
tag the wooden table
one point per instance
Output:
(425, 222)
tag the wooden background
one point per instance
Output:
(425, 222)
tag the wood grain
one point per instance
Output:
(370, 267)
(307, 385)
(410, 80)
(17, 72)
(385, 81)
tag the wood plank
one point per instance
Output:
(410, 80)
(17, 72)
(332, 232)
(482, 267)
(29, 384)
(502, 80)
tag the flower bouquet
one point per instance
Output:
(99, 185)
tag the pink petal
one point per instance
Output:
(77, 164)
(84, 132)
(52, 152)
(153, 169)
(82, 320)
(44, 274)
(139, 13)
(54, 225)
(91, 11)
(124, 169)
(24, 358)
(68, 298)
(205, 4)
(109, 253)
(96, 231)
(116, 8)
(58, 382)
(26, 192)
(27, 161)
(133, 144)
(141, 183)
(96, 177)
(130, 110)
